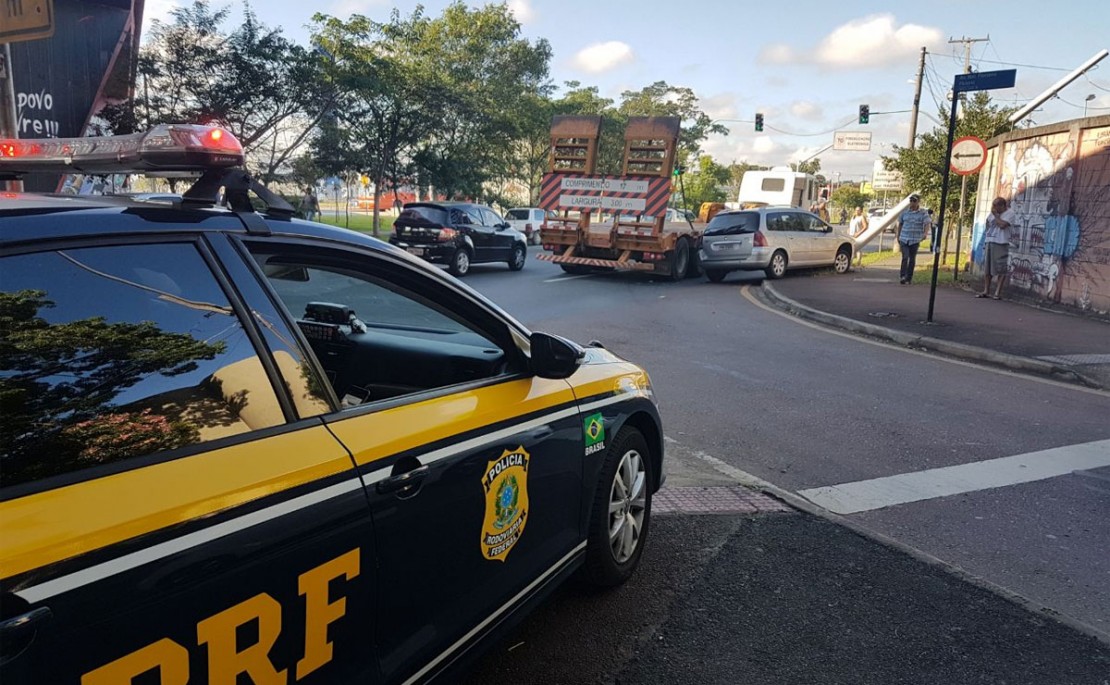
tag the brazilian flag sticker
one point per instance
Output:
(593, 428)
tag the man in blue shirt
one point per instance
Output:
(912, 226)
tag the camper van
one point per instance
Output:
(779, 186)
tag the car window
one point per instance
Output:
(517, 215)
(552, 215)
(490, 217)
(423, 215)
(814, 223)
(460, 215)
(113, 353)
(732, 224)
(375, 338)
(779, 221)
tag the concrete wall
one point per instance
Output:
(1057, 179)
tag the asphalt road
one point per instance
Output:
(805, 408)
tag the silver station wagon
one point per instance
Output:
(772, 240)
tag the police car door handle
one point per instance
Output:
(23, 626)
(403, 482)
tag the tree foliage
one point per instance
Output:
(254, 81)
(707, 184)
(849, 196)
(923, 167)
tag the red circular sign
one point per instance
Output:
(969, 154)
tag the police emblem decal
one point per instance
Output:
(593, 428)
(505, 483)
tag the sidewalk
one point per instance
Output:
(1023, 337)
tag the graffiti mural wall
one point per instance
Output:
(1057, 179)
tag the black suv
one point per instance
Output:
(458, 234)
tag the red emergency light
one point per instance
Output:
(165, 149)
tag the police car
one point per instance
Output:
(242, 447)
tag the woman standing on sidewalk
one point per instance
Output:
(996, 247)
(912, 225)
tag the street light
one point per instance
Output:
(1085, 101)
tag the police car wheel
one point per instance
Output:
(621, 511)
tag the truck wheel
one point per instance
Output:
(694, 269)
(680, 260)
(460, 263)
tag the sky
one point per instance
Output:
(806, 66)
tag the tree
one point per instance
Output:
(253, 81)
(490, 74)
(923, 167)
(706, 184)
(661, 99)
(736, 172)
(446, 109)
(44, 414)
(849, 196)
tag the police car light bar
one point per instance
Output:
(166, 148)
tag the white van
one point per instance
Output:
(778, 187)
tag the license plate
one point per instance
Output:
(418, 251)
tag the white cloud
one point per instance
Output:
(721, 106)
(601, 57)
(763, 145)
(803, 109)
(522, 10)
(872, 41)
(345, 8)
(157, 9)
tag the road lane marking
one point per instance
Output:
(560, 279)
(878, 493)
(745, 292)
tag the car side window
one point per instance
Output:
(116, 352)
(375, 331)
(490, 218)
(459, 217)
(812, 223)
(778, 222)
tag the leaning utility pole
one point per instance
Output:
(917, 99)
(963, 185)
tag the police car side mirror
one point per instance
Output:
(554, 357)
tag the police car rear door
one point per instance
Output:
(165, 509)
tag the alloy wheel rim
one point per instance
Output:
(627, 506)
(779, 265)
(463, 262)
(518, 257)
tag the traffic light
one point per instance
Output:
(864, 114)
(758, 121)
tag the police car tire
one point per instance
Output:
(601, 569)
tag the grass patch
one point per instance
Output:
(358, 221)
(870, 258)
(924, 274)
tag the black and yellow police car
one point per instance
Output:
(240, 447)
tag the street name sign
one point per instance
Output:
(985, 80)
(859, 141)
(969, 154)
(26, 20)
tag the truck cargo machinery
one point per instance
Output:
(615, 222)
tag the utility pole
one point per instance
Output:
(917, 99)
(943, 253)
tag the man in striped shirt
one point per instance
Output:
(912, 226)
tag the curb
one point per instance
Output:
(912, 340)
(801, 504)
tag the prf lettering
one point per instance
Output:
(218, 633)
